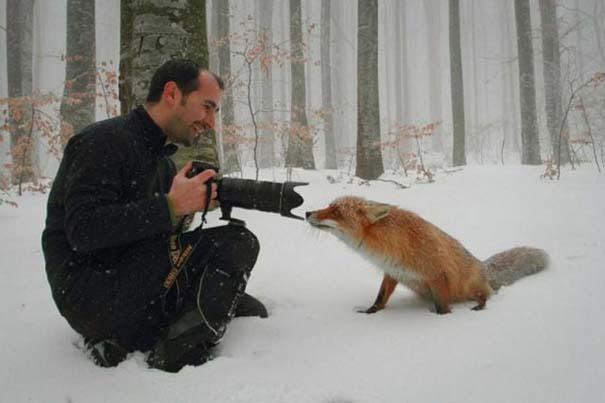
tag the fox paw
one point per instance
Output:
(372, 309)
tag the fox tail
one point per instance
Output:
(513, 264)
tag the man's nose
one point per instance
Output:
(209, 120)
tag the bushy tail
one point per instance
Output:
(509, 266)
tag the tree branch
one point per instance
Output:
(400, 185)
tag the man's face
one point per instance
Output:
(194, 112)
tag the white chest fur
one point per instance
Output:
(386, 263)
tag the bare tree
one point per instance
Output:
(432, 10)
(79, 95)
(230, 156)
(267, 146)
(552, 77)
(457, 83)
(369, 155)
(326, 85)
(402, 75)
(300, 142)
(510, 115)
(19, 44)
(127, 52)
(530, 152)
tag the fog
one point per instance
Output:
(413, 52)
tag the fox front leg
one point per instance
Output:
(440, 290)
(386, 290)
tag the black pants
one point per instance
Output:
(201, 301)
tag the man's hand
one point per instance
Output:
(188, 195)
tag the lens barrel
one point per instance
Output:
(273, 197)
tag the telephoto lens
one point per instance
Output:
(272, 197)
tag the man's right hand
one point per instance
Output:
(188, 195)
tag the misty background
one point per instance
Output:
(414, 81)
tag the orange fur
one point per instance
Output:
(409, 249)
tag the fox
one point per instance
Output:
(416, 253)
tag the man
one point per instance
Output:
(121, 270)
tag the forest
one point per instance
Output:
(403, 87)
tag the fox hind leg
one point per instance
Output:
(386, 290)
(480, 297)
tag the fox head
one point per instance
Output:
(348, 216)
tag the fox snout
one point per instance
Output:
(311, 218)
(318, 219)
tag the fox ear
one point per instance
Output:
(376, 212)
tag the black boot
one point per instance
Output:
(186, 342)
(250, 306)
(105, 353)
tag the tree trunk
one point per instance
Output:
(552, 78)
(369, 155)
(326, 86)
(505, 100)
(457, 83)
(475, 133)
(164, 30)
(300, 142)
(213, 36)
(19, 45)
(579, 59)
(79, 95)
(267, 145)
(230, 155)
(399, 62)
(433, 23)
(127, 50)
(515, 102)
(530, 152)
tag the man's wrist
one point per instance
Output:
(173, 218)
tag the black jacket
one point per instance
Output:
(107, 199)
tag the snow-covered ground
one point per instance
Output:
(540, 340)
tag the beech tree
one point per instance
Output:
(230, 159)
(457, 83)
(530, 141)
(19, 35)
(266, 147)
(552, 77)
(326, 85)
(300, 141)
(369, 153)
(79, 95)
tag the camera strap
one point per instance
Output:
(179, 256)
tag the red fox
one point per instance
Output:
(416, 253)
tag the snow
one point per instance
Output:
(539, 340)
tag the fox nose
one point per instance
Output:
(308, 214)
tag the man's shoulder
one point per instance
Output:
(106, 132)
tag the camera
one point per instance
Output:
(272, 197)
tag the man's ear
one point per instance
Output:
(376, 212)
(170, 93)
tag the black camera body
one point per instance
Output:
(273, 197)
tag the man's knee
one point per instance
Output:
(240, 241)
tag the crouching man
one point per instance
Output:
(121, 270)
